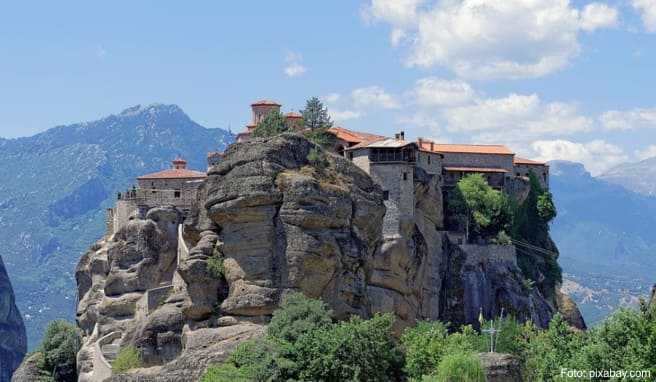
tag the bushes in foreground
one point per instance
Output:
(128, 358)
(303, 344)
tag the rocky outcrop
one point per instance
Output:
(501, 367)
(13, 341)
(271, 222)
(569, 310)
(29, 370)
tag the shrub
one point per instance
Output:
(460, 367)
(128, 358)
(60, 345)
(424, 345)
(215, 266)
(298, 315)
(320, 137)
(355, 350)
(546, 207)
(226, 372)
(317, 159)
(272, 124)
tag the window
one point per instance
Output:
(405, 176)
(350, 155)
(176, 194)
(385, 195)
(429, 157)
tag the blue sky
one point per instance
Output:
(551, 78)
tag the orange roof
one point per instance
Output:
(354, 136)
(467, 149)
(476, 169)
(174, 173)
(293, 114)
(265, 102)
(519, 160)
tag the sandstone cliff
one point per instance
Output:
(13, 341)
(269, 222)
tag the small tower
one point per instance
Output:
(179, 164)
(294, 121)
(261, 108)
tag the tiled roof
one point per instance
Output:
(265, 102)
(175, 174)
(519, 160)
(467, 149)
(476, 169)
(293, 114)
(354, 136)
(383, 143)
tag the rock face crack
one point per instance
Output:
(272, 223)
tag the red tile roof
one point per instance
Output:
(293, 114)
(467, 149)
(519, 160)
(354, 137)
(476, 169)
(265, 102)
(173, 173)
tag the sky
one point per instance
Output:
(552, 79)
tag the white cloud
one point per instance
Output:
(433, 91)
(374, 96)
(293, 66)
(344, 115)
(639, 118)
(647, 10)
(331, 98)
(597, 156)
(649, 152)
(492, 39)
(516, 117)
(598, 15)
(399, 13)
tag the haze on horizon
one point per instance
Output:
(576, 87)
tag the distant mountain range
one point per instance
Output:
(639, 177)
(56, 185)
(606, 236)
(55, 188)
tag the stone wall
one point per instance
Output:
(541, 171)
(360, 157)
(397, 180)
(435, 165)
(478, 160)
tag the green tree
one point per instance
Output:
(298, 315)
(315, 115)
(60, 345)
(485, 211)
(546, 207)
(354, 350)
(272, 124)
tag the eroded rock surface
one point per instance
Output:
(13, 341)
(270, 223)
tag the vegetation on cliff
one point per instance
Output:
(303, 344)
(537, 257)
(55, 358)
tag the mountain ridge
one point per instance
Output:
(58, 183)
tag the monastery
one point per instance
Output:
(393, 162)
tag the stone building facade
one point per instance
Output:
(177, 186)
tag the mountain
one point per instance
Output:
(639, 177)
(56, 185)
(605, 234)
(13, 341)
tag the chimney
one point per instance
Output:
(432, 146)
(420, 141)
(397, 136)
(402, 134)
